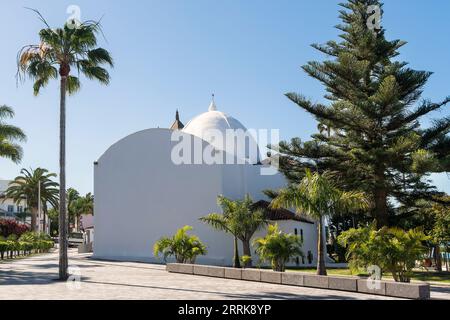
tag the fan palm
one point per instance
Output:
(59, 52)
(26, 186)
(318, 197)
(238, 219)
(9, 136)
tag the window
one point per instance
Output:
(297, 261)
(296, 231)
(310, 257)
(10, 208)
(19, 209)
(301, 234)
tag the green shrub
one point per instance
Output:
(185, 248)
(44, 245)
(278, 247)
(3, 247)
(246, 260)
(392, 249)
(26, 244)
(27, 247)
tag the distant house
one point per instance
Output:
(87, 226)
(8, 208)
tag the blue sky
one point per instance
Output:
(173, 54)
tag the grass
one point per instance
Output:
(427, 276)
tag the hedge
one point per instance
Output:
(27, 244)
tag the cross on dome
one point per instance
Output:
(212, 106)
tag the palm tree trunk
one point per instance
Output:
(33, 219)
(438, 258)
(236, 262)
(43, 222)
(247, 252)
(446, 260)
(321, 269)
(77, 217)
(63, 260)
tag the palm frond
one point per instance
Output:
(216, 220)
(73, 84)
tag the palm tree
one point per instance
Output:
(80, 206)
(26, 186)
(59, 52)
(238, 219)
(72, 196)
(318, 197)
(9, 136)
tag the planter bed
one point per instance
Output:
(418, 291)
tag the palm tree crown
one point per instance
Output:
(79, 205)
(62, 50)
(318, 197)
(9, 136)
(26, 186)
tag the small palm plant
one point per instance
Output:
(246, 260)
(278, 247)
(185, 248)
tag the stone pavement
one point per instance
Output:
(33, 278)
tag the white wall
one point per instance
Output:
(140, 196)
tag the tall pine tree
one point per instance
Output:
(369, 132)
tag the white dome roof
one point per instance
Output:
(208, 125)
(212, 120)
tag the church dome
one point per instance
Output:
(209, 125)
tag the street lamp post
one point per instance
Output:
(39, 206)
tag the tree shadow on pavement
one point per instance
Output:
(14, 277)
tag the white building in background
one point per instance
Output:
(87, 227)
(8, 208)
(141, 195)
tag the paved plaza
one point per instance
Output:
(33, 278)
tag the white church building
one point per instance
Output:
(146, 186)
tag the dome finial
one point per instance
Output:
(212, 106)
